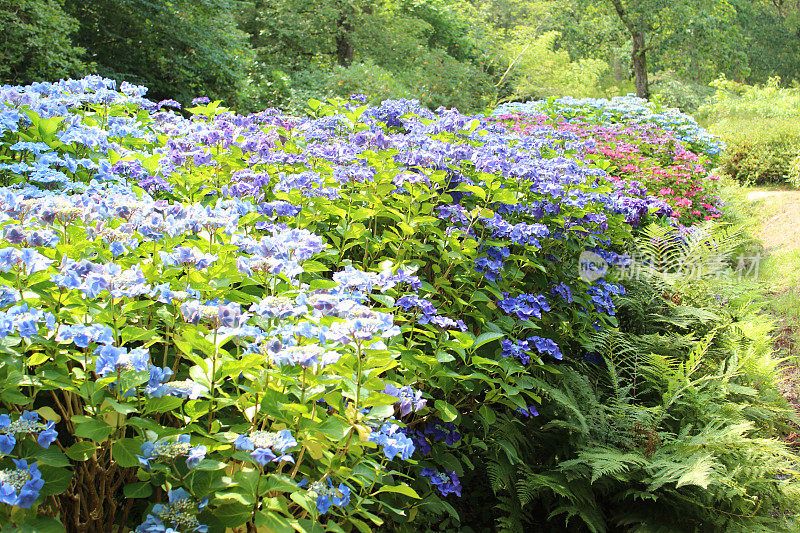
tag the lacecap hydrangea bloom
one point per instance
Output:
(179, 515)
(20, 486)
(327, 494)
(267, 446)
(169, 450)
(28, 423)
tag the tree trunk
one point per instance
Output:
(638, 51)
(640, 64)
(344, 47)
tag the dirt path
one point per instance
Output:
(780, 229)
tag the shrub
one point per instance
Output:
(794, 171)
(178, 307)
(641, 155)
(541, 71)
(626, 110)
(674, 92)
(760, 126)
(759, 151)
(344, 322)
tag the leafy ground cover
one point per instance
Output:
(349, 321)
(759, 126)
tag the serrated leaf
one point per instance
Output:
(447, 411)
(57, 479)
(141, 489)
(124, 452)
(81, 451)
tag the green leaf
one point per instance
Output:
(142, 489)
(42, 524)
(91, 428)
(487, 337)
(448, 412)
(487, 414)
(81, 451)
(400, 489)
(50, 456)
(334, 427)
(124, 452)
(232, 514)
(57, 480)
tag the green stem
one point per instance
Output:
(212, 381)
(358, 377)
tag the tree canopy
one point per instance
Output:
(463, 53)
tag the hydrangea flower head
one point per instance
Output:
(171, 449)
(267, 446)
(179, 515)
(20, 486)
(327, 495)
(28, 423)
(445, 482)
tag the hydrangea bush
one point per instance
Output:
(217, 321)
(636, 156)
(627, 110)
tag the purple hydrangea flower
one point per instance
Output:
(410, 400)
(445, 482)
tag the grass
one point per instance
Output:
(771, 216)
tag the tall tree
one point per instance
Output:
(36, 41)
(638, 23)
(178, 48)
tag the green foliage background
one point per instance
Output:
(468, 54)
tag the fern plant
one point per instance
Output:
(669, 432)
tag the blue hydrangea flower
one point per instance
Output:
(545, 346)
(563, 290)
(516, 348)
(327, 495)
(8, 296)
(28, 423)
(307, 355)
(186, 388)
(20, 486)
(179, 515)
(529, 411)
(408, 303)
(524, 306)
(82, 335)
(393, 440)
(445, 482)
(267, 446)
(279, 307)
(169, 450)
(111, 359)
(25, 321)
(187, 256)
(156, 387)
(217, 314)
(438, 430)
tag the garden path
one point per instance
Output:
(780, 228)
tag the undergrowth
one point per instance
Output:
(670, 424)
